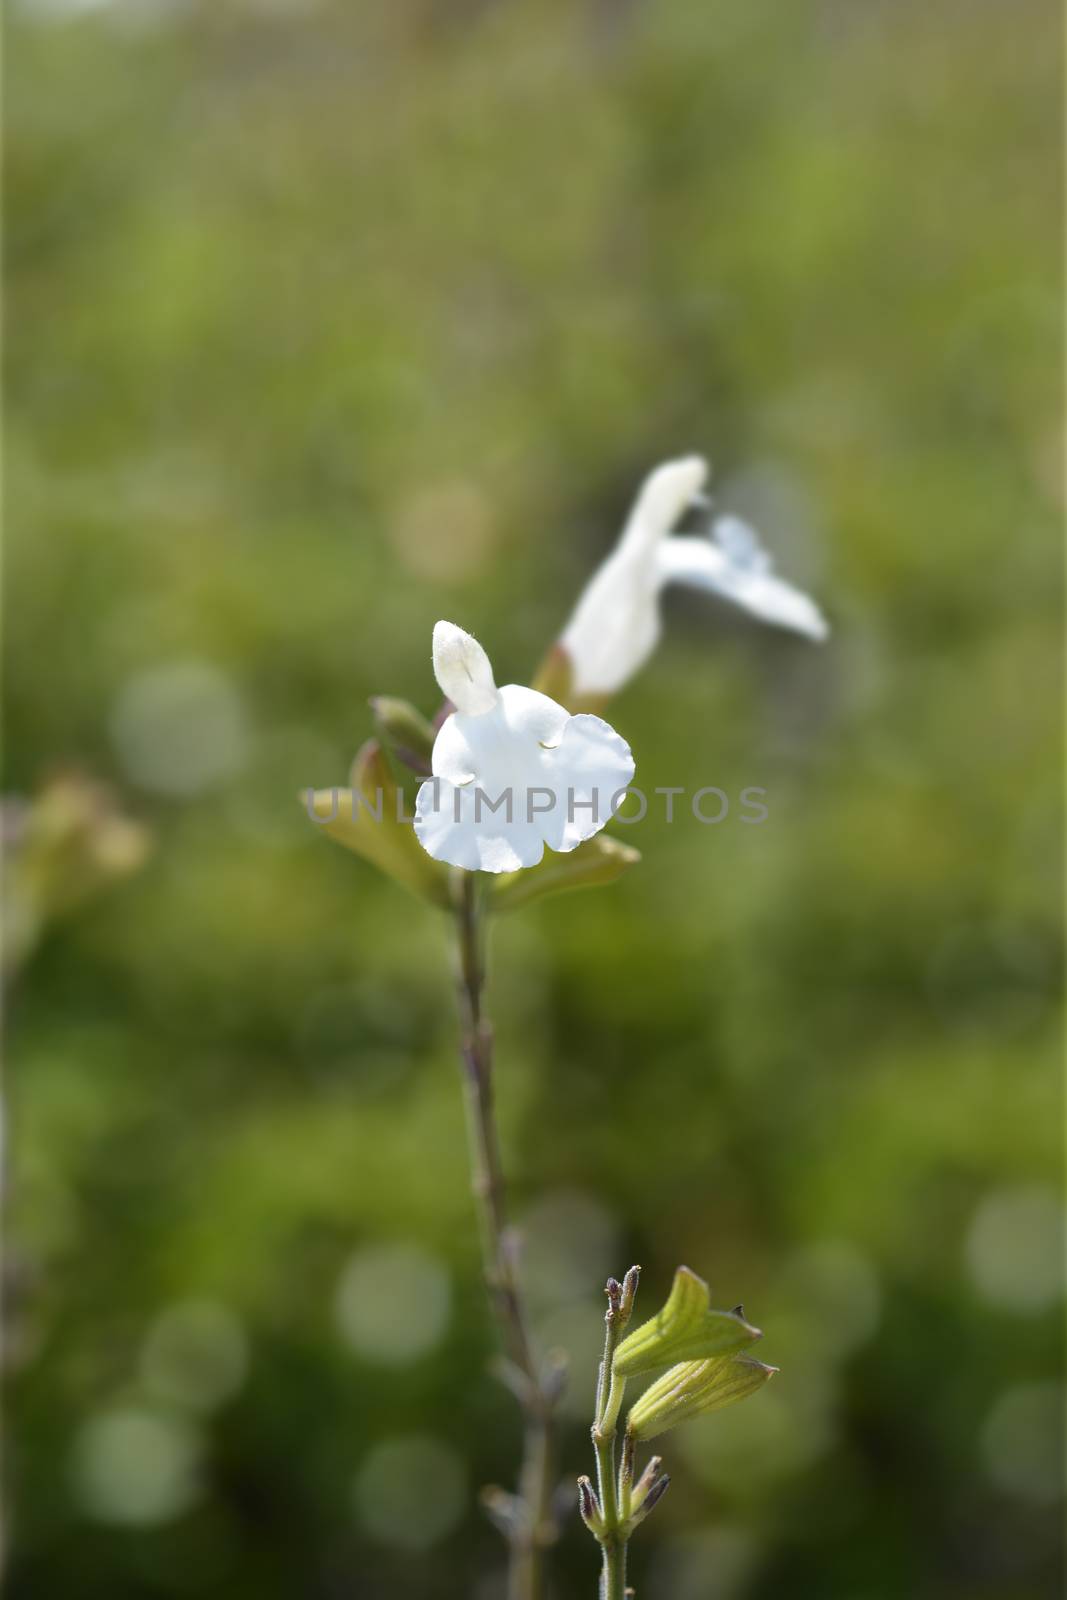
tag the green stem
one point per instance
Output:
(534, 1529)
(613, 1574)
(610, 1388)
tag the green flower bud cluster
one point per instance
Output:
(708, 1368)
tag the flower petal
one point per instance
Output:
(533, 716)
(748, 582)
(586, 771)
(615, 626)
(502, 747)
(740, 544)
(512, 777)
(463, 670)
(452, 756)
(661, 501)
(457, 825)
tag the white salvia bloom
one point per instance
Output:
(512, 770)
(616, 624)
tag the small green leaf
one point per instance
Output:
(599, 860)
(367, 819)
(694, 1388)
(687, 1329)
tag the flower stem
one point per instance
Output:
(614, 1533)
(534, 1528)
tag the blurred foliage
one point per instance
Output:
(60, 850)
(329, 319)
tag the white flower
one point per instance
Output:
(512, 770)
(616, 624)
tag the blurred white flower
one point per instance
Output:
(512, 770)
(616, 624)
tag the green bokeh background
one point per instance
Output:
(324, 321)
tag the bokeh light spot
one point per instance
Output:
(1015, 1248)
(742, 1450)
(835, 1289)
(709, 1564)
(136, 1467)
(393, 1303)
(570, 1245)
(411, 1491)
(180, 728)
(444, 533)
(1022, 1441)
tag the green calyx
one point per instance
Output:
(598, 861)
(694, 1388)
(686, 1329)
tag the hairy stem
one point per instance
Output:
(613, 1535)
(534, 1528)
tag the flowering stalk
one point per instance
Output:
(527, 1519)
(507, 774)
(611, 1519)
